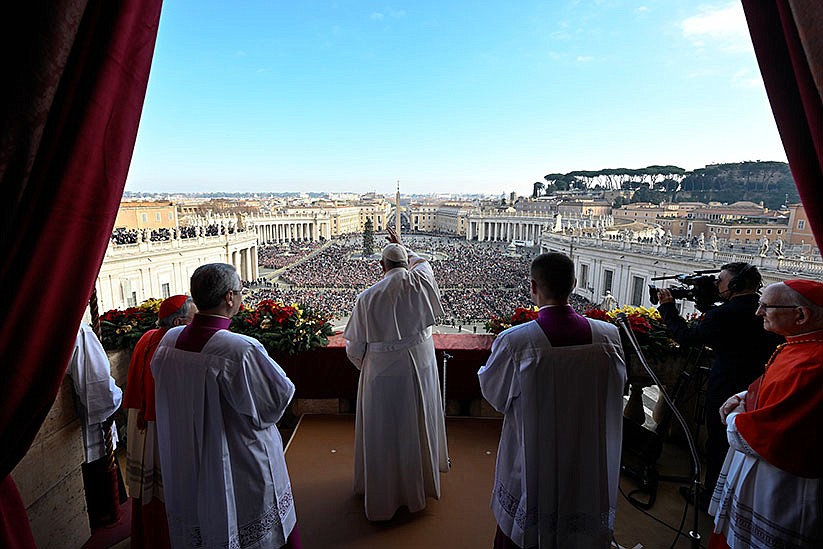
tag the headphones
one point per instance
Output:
(738, 283)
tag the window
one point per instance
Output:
(637, 290)
(801, 224)
(131, 300)
(607, 280)
(171, 216)
(165, 290)
(584, 277)
(758, 231)
(157, 216)
(145, 218)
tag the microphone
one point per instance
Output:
(623, 322)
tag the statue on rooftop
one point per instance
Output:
(778, 248)
(764, 247)
(713, 242)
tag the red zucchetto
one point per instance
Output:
(171, 305)
(810, 289)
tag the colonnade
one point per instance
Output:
(278, 230)
(506, 230)
(245, 261)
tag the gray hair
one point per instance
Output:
(210, 282)
(182, 312)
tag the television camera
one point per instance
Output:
(700, 287)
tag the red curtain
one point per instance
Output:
(789, 49)
(74, 80)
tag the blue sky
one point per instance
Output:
(446, 96)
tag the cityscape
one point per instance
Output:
(306, 247)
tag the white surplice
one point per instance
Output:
(97, 395)
(755, 504)
(558, 463)
(224, 471)
(400, 431)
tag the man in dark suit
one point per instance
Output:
(740, 348)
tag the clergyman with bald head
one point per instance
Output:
(218, 398)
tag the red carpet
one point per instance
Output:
(102, 538)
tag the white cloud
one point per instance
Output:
(722, 27)
(746, 78)
(387, 12)
(584, 58)
(396, 13)
(240, 53)
(642, 9)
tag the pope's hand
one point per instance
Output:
(733, 404)
(393, 238)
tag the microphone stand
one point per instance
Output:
(694, 534)
(446, 357)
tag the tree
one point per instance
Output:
(368, 237)
(538, 186)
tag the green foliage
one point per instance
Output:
(767, 182)
(368, 237)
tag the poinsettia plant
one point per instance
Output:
(122, 329)
(284, 328)
(521, 315)
(647, 326)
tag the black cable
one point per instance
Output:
(682, 523)
(664, 523)
(677, 531)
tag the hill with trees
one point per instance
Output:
(767, 182)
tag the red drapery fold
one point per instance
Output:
(784, 34)
(75, 79)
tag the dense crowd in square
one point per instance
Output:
(476, 279)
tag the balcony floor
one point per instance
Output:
(320, 460)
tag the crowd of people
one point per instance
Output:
(282, 255)
(477, 280)
(122, 236)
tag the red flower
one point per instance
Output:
(597, 314)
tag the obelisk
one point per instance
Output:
(397, 210)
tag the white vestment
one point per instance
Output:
(755, 504)
(400, 430)
(558, 463)
(224, 471)
(97, 395)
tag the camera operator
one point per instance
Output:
(740, 348)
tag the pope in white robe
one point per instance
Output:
(218, 398)
(400, 433)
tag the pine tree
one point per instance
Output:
(368, 237)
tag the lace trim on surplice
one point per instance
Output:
(250, 533)
(565, 525)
